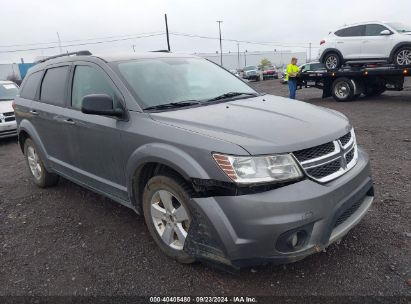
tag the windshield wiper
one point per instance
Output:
(230, 94)
(171, 105)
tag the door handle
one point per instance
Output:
(340, 42)
(34, 112)
(69, 121)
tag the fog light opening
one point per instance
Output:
(296, 239)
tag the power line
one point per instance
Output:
(80, 44)
(79, 40)
(303, 44)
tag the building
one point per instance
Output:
(14, 70)
(236, 60)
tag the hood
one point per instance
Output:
(5, 106)
(261, 125)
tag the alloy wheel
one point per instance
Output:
(34, 162)
(331, 62)
(170, 218)
(404, 57)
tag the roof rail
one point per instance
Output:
(79, 53)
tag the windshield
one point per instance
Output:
(268, 68)
(158, 81)
(248, 68)
(400, 27)
(8, 91)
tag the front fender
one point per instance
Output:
(27, 127)
(165, 154)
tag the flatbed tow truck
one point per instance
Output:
(349, 82)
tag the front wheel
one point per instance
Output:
(167, 215)
(403, 56)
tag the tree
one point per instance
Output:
(264, 63)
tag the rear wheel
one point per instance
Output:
(332, 61)
(41, 176)
(343, 89)
(403, 56)
(167, 215)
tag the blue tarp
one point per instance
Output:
(23, 68)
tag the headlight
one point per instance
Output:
(246, 170)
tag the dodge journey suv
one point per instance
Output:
(219, 172)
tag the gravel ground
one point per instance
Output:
(69, 241)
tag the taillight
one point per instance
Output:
(13, 104)
(322, 42)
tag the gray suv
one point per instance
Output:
(220, 172)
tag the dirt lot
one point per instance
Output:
(69, 241)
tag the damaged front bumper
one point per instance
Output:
(253, 229)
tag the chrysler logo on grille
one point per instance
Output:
(2, 118)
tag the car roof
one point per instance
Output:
(6, 82)
(115, 57)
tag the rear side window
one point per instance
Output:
(374, 29)
(353, 31)
(88, 80)
(53, 88)
(31, 85)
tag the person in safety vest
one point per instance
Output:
(292, 71)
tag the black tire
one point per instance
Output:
(332, 61)
(399, 58)
(44, 178)
(179, 190)
(343, 89)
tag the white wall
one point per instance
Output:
(8, 70)
(232, 61)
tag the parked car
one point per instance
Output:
(312, 67)
(8, 92)
(367, 42)
(269, 72)
(235, 72)
(251, 73)
(219, 171)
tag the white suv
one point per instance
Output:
(367, 42)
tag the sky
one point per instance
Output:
(139, 24)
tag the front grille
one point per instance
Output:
(8, 114)
(330, 160)
(349, 156)
(345, 139)
(325, 170)
(7, 119)
(347, 213)
(318, 151)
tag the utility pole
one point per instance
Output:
(309, 52)
(221, 45)
(168, 38)
(58, 37)
(245, 58)
(238, 55)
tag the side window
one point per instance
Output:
(353, 31)
(88, 80)
(31, 85)
(53, 88)
(374, 29)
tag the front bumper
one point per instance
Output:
(246, 230)
(8, 129)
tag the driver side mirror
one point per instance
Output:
(100, 104)
(385, 33)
